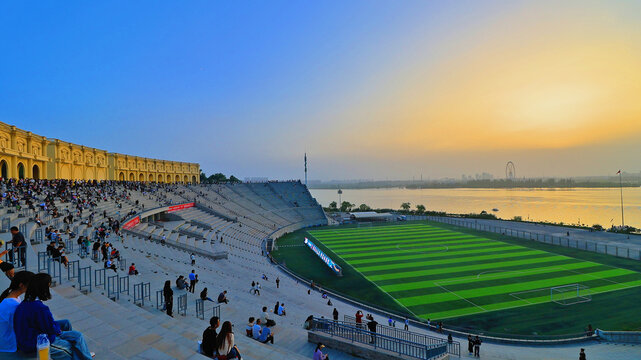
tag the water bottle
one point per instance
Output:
(43, 347)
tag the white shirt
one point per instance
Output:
(7, 335)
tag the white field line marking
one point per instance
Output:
(459, 296)
(366, 278)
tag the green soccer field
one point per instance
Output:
(438, 273)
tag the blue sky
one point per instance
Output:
(245, 88)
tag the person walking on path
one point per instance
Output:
(407, 324)
(193, 278)
(193, 259)
(277, 282)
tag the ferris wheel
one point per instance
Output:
(510, 171)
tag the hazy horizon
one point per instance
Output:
(368, 89)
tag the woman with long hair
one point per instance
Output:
(168, 293)
(225, 343)
(318, 354)
(9, 301)
(33, 317)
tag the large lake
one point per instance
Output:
(589, 206)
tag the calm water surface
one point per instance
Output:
(587, 206)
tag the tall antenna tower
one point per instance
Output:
(305, 169)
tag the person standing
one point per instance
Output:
(407, 324)
(192, 281)
(470, 344)
(359, 319)
(193, 259)
(477, 347)
(277, 282)
(371, 326)
(19, 247)
(582, 355)
(168, 293)
(335, 314)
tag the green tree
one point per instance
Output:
(233, 179)
(333, 206)
(347, 206)
(420, 208)
(364, 207)
(405, 206)
(217, 178)
(203, 177)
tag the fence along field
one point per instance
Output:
(439, 273)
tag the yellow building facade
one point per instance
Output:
(26, 155)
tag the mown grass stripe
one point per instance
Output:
(421, 237)
(493, 265)
(472, 248)
(419, 242)
(417, 285)
(455, 260)
(445, 246)
(407, 255)
(467, 310)
(507, 289)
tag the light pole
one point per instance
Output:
(621, 189)
(340, 192)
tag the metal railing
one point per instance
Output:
(378, 341)
(453, 348)
(18, 257)
(73, 268)
(54, 268)
(160, 299)
(123, 285)
(182, 304)
(142, 291)
(100, 278)
(200, 309)
(84, 278)
(113, 292)
(565, 241)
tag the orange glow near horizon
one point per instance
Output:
(554, 81)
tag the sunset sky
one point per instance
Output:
(369, 89)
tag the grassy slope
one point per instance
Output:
(305, 263)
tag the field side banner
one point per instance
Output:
(180, 207)
(329, 262)
(131, 223)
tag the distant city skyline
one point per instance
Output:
(368, 89)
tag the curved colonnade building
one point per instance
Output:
(27, 155)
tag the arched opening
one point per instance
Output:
(177, 178)
(193, 179)
(4, 169)
(151, 177)
(159, 178)
(141, 177)
(20, 171)
(131, 177)
(36, 172)
(121, 177)
(186, 179)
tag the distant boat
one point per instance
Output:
(495, 209)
